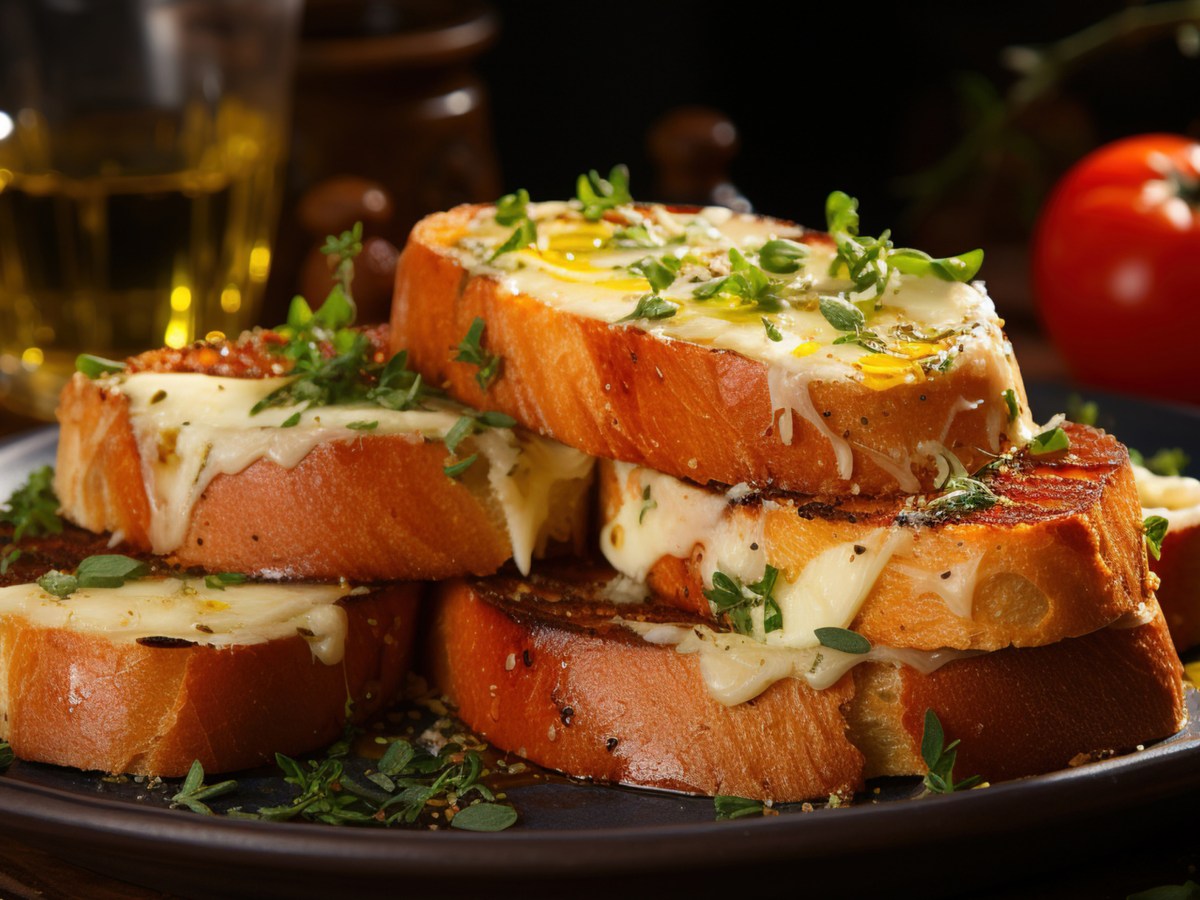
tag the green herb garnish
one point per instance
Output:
(1167, 461)
(511, 208)
(6, 755)
(222, 580)
(193, 792)
(599, 195)
(1155, 529)
(731, 598)
(773, 332)
(363, 426)
(1085, 412)
(651, 306)
(107, 570)
(470, 350)
(745, 281)
(1010, 400)
(940, 757)
(524, 235)
(648, 503)
(1054, 440)
(456, 469)
(781, 256)
(842, 314)
(870, 261)
(97, 366)
(660, 272)
(727, 806)
(843, 639)
(32, 510)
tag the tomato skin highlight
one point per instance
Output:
(1116, 268)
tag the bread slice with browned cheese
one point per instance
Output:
(1177, 499)
(1040, 549)
(169, 457)
(148, 677)
(576, 677)
(794, 388)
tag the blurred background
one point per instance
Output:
(950, 122)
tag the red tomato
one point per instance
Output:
(1116, 266)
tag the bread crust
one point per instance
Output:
(1179, 593)
(695, 412)
(1063, 558)
(539, 669)
(377, 507)
(77, 699)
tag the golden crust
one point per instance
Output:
(379, 507)
(81, 700)
(540, 670)
(621, 393)
(1063, 558)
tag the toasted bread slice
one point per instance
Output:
(167, 457)
(1059, 555)
(546, 669)
(1176, 499)
(149, 677)
(706, 393)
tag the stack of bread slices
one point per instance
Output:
(821, 511)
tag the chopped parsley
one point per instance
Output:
(1054, 440)
(32, 510)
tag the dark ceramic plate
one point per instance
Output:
(603, 841)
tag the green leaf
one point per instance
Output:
(1155, 529)
(524, 235)
(781, 256)
(1167, 461)
(109, 570)
(1010, 400)
(1053, 441)
(470, 350)
(661, 273)
(193, 790)
(456, 469)
(32, 509)
(727, 807)
(6, 755)
(97, 366)
(651, 306)
(511, 208)
(484, 817)
(940, 757)
(963, 267)
(363, 426)
(773, 332)
(843, 639)
(221, 580)
(842, 314)
(60, 584)
(459, 430)
(496, 420)
(634, 236)
(731, 599)
(599, 195)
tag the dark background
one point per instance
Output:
(838, 95)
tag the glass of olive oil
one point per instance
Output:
(141, 162)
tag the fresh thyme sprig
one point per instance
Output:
(727, 806)
(32, 511)
(108, 570)
(193, 792)
(729, 597)
(940, 758)
(745, 281)
(470, 350)
(332, 362)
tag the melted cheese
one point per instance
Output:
(580, 268)
(188, 610)
(191, 428)
(736, 668)
(1176, 498)
(955, 584)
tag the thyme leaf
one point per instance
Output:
(728, 806)
(193, 792)
(599, 195)
(1155, 529)
(651, 306)
(940, 758)
(470, 350)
